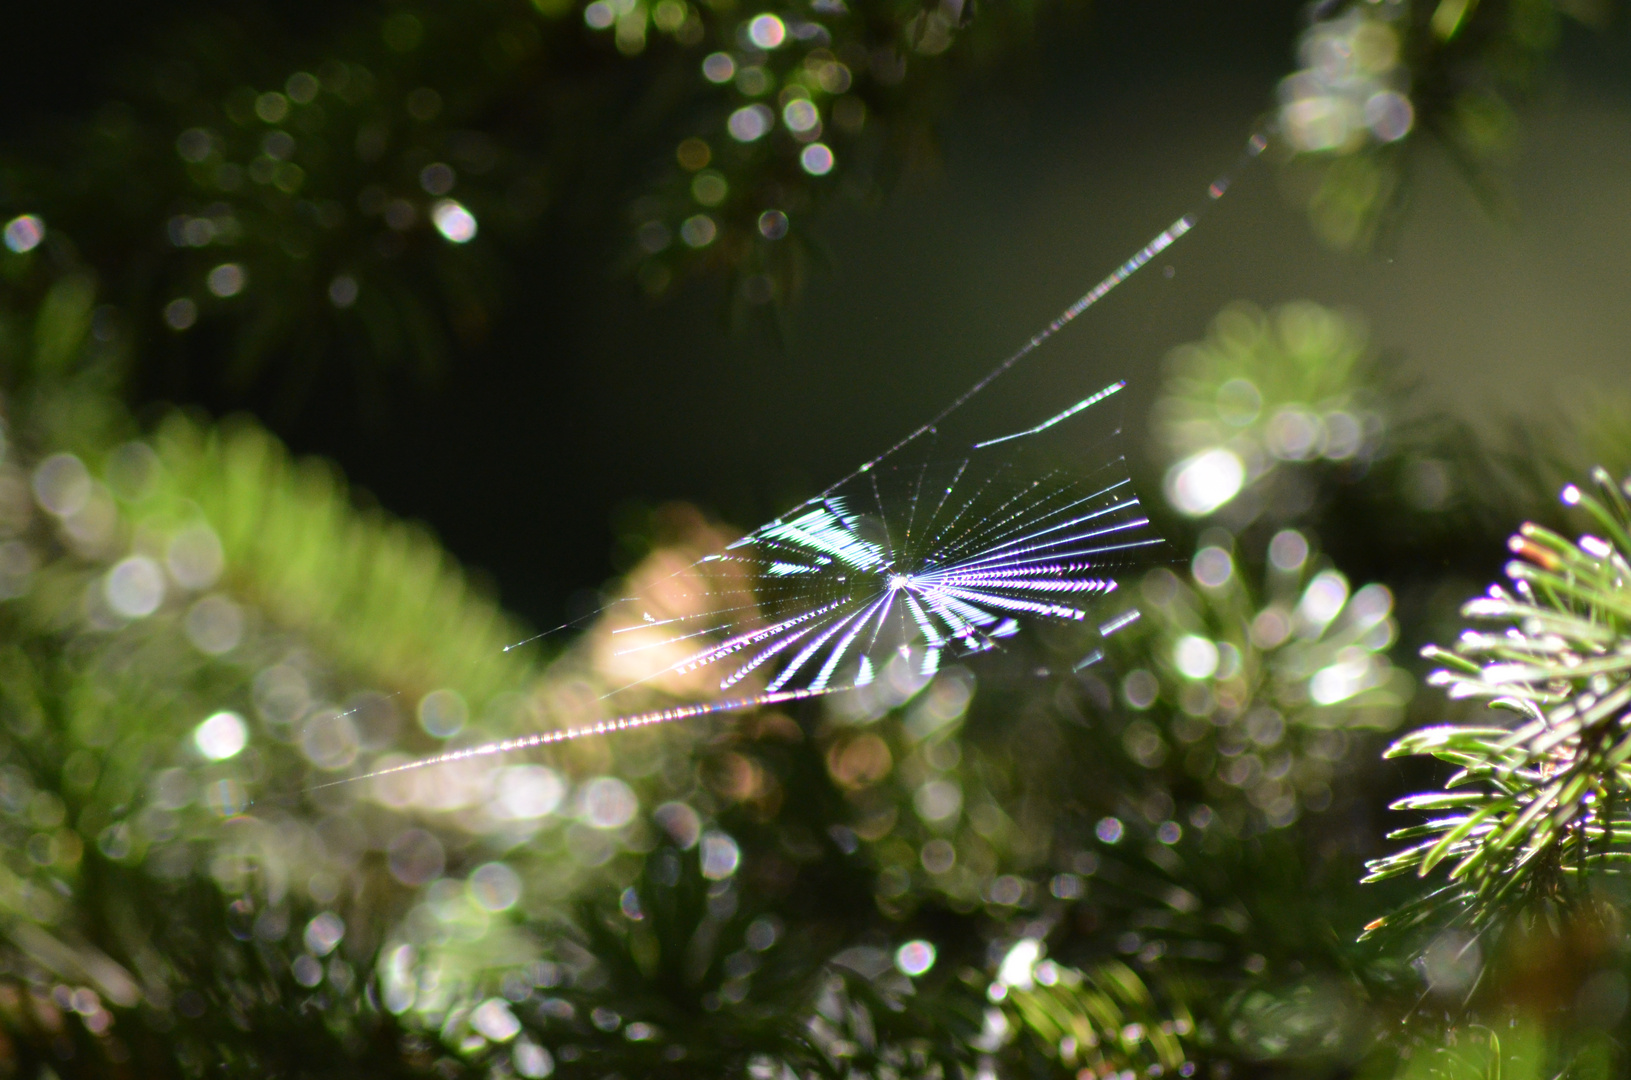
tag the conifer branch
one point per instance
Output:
(1533, 806)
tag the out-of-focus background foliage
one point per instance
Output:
(342, 347)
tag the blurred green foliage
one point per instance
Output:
(1265, 397)
(254, 194)
(1379, 74)
(1250, 706)
(1141, 863)
(159, 591)
(1135, 864)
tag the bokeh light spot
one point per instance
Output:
(194, 557)
(817, 159)
(221, 736)
(1212, 566)
(834, 77)
(495, 886)
(278, 145)
(215, 625)
(718, 68)
(400, 214)
(1270, 628)
(750, 122)
(272, 107)
(915, 958)
(225, 797)
(424, 104)
(134, 587)
(767, 31)
(938, 800)
(494, 1020)
(1195, 657)
(1200, 484)
(526, 792)
(1288, 550)
(1295, 434)
(608, 803)
(24, 233)
(709, 188)
(329, 740)
(1322, 600)
(342, 291)
(62, 484)
(762, 933)
(194, 145)
(669, 15)
(323, 933)
(1338, 682)
(443, 713)
(1452, 962)
(859, 762)
(720, 856)
(773, 224)
(456, 224)
(1389, 115)
(1139, 688)
(653, 237)
(938, 856)
(1018, 967)
(682, 824)
(306, 970)
(302, 87)
(531, 1060)
(699, 231)
(1239, 402)
(801, 115)
(416, 857)
(693, 154)
(180, 313)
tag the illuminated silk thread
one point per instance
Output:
(909, 563)
(1167, 237)
(582, 731)
(981, 560)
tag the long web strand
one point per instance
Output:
(1165, 239)
(631, 722)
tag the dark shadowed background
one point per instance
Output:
(537, 456)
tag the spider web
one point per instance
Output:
(907, 564)
(937, 549)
